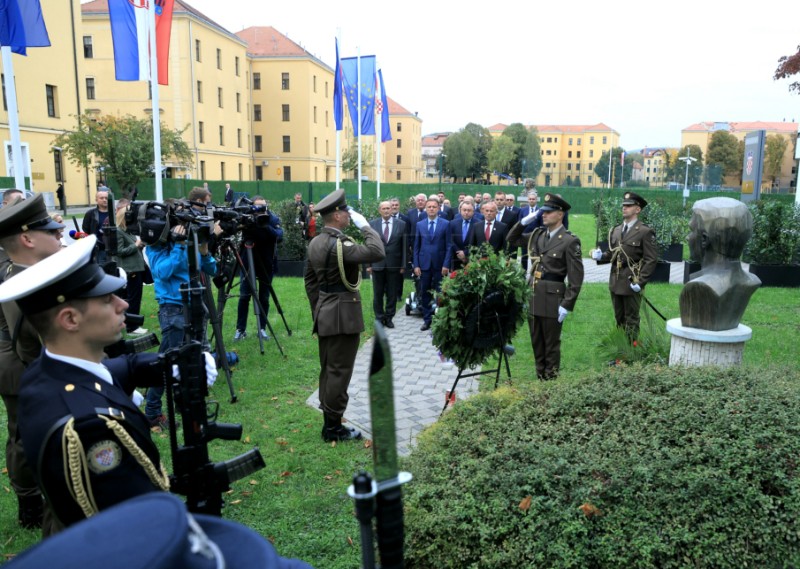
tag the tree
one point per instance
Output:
(350, 157)
(531, 155)
(788, 66)
(122, 146)
(503, 154)
(461, 150)
(723, 151)
(601, 168)
(483, 141)
(774, 150)
(677, 169)
(519, 134)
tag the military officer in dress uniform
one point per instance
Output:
(87, 441)
(332, 280)
(633, 255)
(27, 235)
(554, 254)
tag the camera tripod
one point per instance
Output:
(248, 272)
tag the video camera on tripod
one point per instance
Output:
(154, 221)
(244, 215)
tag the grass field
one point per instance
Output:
(299, 500)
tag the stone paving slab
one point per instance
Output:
(421, 378)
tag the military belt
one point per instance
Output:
(333, 288)
(542, 276)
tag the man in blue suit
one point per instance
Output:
(459, 233)
(432, 249)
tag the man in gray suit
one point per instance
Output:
(388, 273)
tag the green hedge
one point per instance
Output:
(633, 467)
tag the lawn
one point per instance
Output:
(299, 500)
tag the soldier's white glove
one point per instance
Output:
(528, 219)
(562, 314)
(597, 254)
(358, 220)
(211, 369)
(635, 287)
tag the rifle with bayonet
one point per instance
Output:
(381, 498)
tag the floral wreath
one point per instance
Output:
(490, 275)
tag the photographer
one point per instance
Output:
(169, 264)
(131, 260)
(262, 240)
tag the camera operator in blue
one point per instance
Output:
(86, 439)
(262, 240)
(169, 264)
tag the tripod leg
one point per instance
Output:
(219, 344)
(278, 308)
(452, 390)
(251, 279)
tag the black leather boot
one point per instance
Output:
(31, 510)
(335, 431)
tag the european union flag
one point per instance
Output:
(22, 25)
(338, 104)
(367, 88)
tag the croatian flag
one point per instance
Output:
(130, 22)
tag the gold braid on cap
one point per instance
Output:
(340, 256)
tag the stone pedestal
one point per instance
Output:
(695, 347)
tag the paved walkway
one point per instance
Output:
(421, 377)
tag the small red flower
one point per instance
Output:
(453, 275)
(635, 344)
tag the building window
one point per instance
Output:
(236, 67)
(399, 159)
(287, 173)
(51, 91)
(239, 137)
(58, 165)
(221, 135)
(549, 139)
(238, 102)
(202, 169)
(569, 165)
(285, 81)
(591, 140)
(578, 166)
(569, 154)
(222, 170)
(315, 145)
(256, 81)
(326, 89)
(397, 177)
(328, 149)
(569, 142)
(578, 154)
(579, 142)
(315, 114)
(257, 112)
(399, 127)
(605, 140)
(314, 82)
(197, 50)
(259, 173)
(201, 135)
(590, 165)
(326, 118)
(285, 113)
(549, 152)
(199, 91)
(241, 172)
(88, 50)
(399, 143)
(219, 60)
(90, 88)
(219, 97)
(3, 81)
(588, 179)
(258, 143)
(547, 165)
(591, 153)
(287, 143)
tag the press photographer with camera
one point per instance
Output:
(262, 239)
(169, 265)
(130, 259)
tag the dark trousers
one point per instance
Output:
(546, 344)
(20, 472)
(626, 313)
(62, 204)
(385, 284)
(133, 295)
(337, 356)
(245, 292)
(430, 281)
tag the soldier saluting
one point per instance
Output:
(332, 281)
(633, 255)
(554, 254)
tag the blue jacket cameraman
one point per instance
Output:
(261, 237)
(169, 264)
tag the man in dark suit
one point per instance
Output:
(73, 401)
(397, 214)
(490, 230)
(511, 204)
(417, 213)
(459, 233)
(531, 208)
(505, 215)
(444, 209)
(432, 251)
(386, 274)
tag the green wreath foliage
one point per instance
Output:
(489, 272)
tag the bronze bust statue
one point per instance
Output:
(716, 296)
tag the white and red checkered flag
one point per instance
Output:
(380, 103)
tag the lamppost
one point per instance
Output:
(441, 156)
(688, 159)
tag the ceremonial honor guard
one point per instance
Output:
(554, 255)
(633, 255)
(332, 282)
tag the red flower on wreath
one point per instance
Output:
(453, 275)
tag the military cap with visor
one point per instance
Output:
(552, 202)
(332, 202)
(26, 215)
(631, 198)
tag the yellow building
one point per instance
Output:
(700, 134)
(47, 100)
(570, 152)
(654, 168)
(403, 153)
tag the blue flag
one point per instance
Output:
(383, 110)
(367, 88)
(22, 25)
(338, 105)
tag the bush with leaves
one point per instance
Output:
(293, 246)
(776, 233)
(651, 346)
(636, 467)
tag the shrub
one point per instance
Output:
(776, 233)
(293, 246)
(632, 467)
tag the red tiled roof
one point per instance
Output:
(435, 139)
(267, 41)
(708, 126)
(396, 108)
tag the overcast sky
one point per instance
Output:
(645, 69)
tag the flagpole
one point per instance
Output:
(377, 135)
(13, 120)
(338, 132)
(610, 153)
(358, 84)
(151, 8)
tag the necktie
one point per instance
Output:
(386, 231)
(488, 231)
(624, 229)
(431, 228)
(464, 230)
